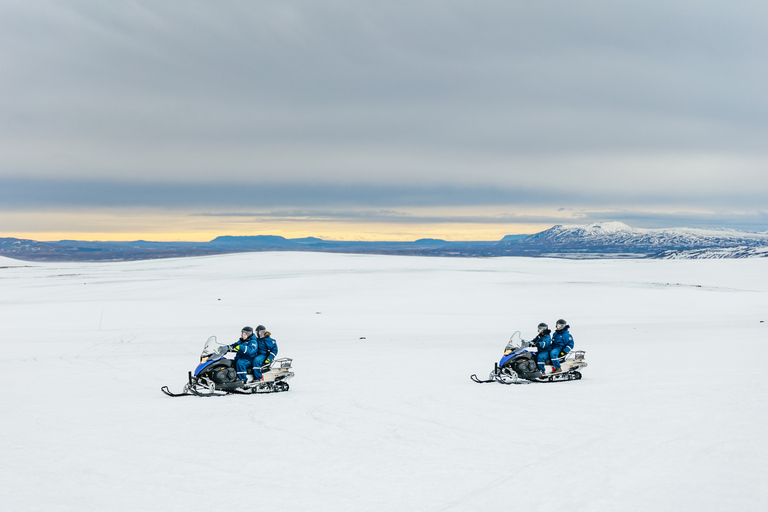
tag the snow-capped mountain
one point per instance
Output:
(619, 236)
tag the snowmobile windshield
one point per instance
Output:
(515, 341)
(211, 347)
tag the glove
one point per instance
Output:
(267, 361)
(234, 348)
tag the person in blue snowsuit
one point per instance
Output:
(543, 342)
(246, 349)
(562, 343)
(266, 350)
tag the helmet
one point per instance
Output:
(542, 326)
(248, 330)
(260, 328)
(562, 322)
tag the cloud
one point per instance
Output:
(39, 194)
(376, 204)
(399, 104)
(754, 221)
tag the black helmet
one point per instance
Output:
(260, 328)
(543, 326)
(248, 330)
(562, 322)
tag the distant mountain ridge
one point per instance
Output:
(598, 240)
(617, 235)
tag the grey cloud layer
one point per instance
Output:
(754, 221)
(591, 97)
(357, 203)
(52, 194)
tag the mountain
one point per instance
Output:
(598, 240)
(618, 234)
(617, 237)
(71, 250)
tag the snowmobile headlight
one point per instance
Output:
(507, 352)
(203, 359)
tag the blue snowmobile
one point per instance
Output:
(216, 375)
(518, 365)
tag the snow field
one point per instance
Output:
(381, 414)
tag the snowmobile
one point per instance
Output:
(216, 375)
(518, 365)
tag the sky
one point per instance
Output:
(462, 120)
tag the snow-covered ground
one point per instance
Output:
(382, 416)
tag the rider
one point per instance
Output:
(246, 348)
(542, 341)
(265, 352)
(562, 343)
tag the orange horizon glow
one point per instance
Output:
(157, 226)
(393, 235)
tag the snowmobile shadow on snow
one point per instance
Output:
(216, 375)
(518, 365)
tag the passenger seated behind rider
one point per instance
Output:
(246, 348)
(562, 343)
(266, 351)
(543, 342)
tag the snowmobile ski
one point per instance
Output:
(475, 378)
(168, 392)
(500, 375)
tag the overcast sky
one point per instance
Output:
(380, 119)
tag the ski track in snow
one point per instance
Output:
(382, 415)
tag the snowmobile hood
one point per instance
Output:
(206, 364)
(514, 354)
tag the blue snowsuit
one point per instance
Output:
(266, 348)
(543, 342)
(246, 352)
(562, 342)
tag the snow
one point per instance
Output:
(717, 253)
(382, 415)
